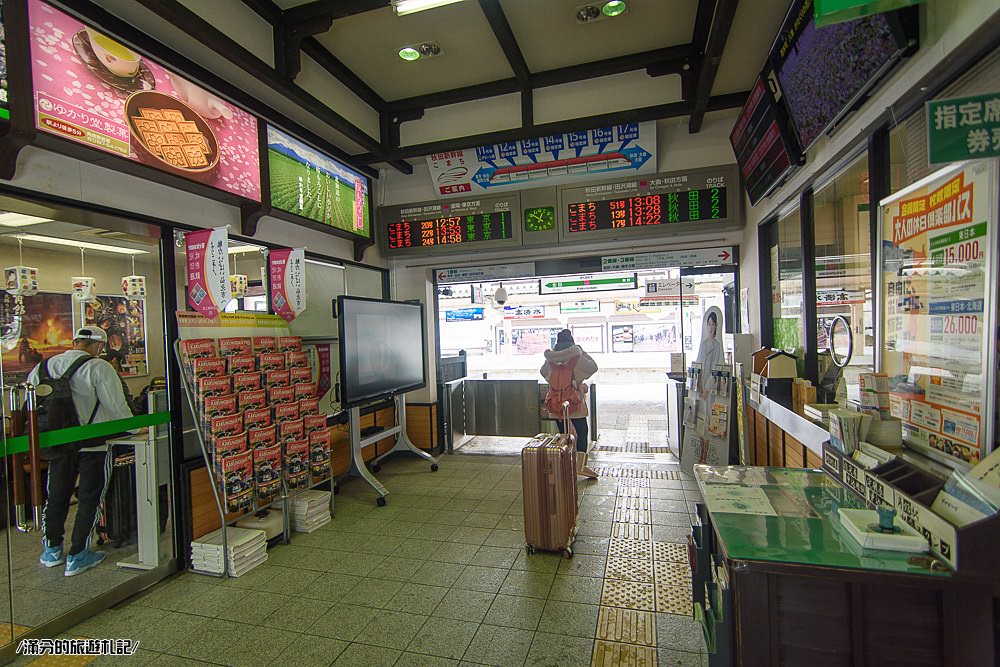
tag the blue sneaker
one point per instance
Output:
(83, 561)
(51, 556)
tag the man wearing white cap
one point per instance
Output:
(97, 397)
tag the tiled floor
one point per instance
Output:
(439, 576)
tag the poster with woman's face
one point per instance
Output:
(39, 327)
(124, 321)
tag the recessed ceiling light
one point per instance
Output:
(20, 220)
(80, 244)
(404, 7)
(614, 7)
(409, 53)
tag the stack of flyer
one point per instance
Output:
(846, 429)
(310, 510)
(875, 394)
(246, 550)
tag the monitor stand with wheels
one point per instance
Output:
(403, 444)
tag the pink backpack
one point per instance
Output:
(561, 389)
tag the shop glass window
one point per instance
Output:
(786, 285)
(843, 268)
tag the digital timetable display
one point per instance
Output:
(449, 230)
(663, 203)
(658, 209)
(457, 225)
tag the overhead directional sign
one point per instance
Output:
(656, 260)
(587, 283)
(470, 274)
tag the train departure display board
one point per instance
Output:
(451, 226)
(653, 205)
(764, 148)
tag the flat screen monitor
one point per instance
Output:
(382, 349)
(824, 72)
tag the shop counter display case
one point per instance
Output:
(778, 580)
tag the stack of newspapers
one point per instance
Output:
(310, 510)
(246, 549)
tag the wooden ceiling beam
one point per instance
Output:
(718, 35)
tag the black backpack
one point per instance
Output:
(56, 409)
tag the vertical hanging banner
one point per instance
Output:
(288, 282)
(208, 270)
(324, 382)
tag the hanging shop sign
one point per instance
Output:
(90, 89)
(4, 100)
(937, 335)
(306, 182)
(287, 268)
(463, 314)
(963, 128)
(486, 273)
(208, 270)
(431, 228)
(546, 161)
(523, 312)
(680, 258)
(837, 11)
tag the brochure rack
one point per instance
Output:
(403, 444)
(709, 406)
(284, 496)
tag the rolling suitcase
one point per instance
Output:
(548, 476)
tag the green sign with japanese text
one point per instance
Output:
(827, 12)
(963, 128)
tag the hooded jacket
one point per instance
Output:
(585, 367)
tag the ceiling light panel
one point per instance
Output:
(48, 240)
(20, 220)
(404, 7)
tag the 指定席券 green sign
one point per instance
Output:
(963, 128)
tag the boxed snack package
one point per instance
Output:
(277, 378)
(267, 474)
(262, 437)
(308, 406)
(264, 344)
(214, 386)
(319, 455)
(296, 359)
(304, 390)
(225, 426)
(253, 399)
(235, 346)
(236, 474)
(229, 445)
(242, 364)
(289, 343)
(296, 457)
(291, 430)
(270, 361)
(197, 348)
(286, 412)
(246, 382)
(208, 367)
(281, 395)
(314, 423)
(217, 406)
(297, 375)
(257, 417)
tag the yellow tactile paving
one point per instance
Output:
(629, 569)
(16, 630)
(632, 516)
(613, 654)
(628, 626)
(633, 481)
(633, 492)
(628, 594)
(668, 551)
(674, 600)
(626, 548)
(672, 574)
(632, 503)
(634, 531)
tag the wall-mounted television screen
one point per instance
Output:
(764, 148)
(382, 349)
(824, 71)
